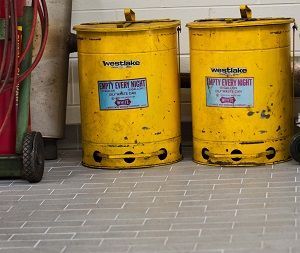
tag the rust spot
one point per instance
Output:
(118, 146)
(158, 133)
(136, 141)
(264, 115)
(221, 118)
(262, 131)
(250, 114)
(126, 138)
(278, 128)
(203, 131)
(146, 128)
(251, 142)
(94, 38)
(278, 32)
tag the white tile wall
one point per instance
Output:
(185, 10)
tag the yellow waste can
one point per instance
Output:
(129, 93)
(242, 91)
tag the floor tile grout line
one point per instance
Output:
(47, 230)
(37, 243)
(9, 239)
(63, 249)
(100, 243)
(195, 247)
(23, 225)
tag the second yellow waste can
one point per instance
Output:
(242, 93)
(129, 93)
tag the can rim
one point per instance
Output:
(127, 26)
(238, 22)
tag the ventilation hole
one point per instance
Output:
(271, 156)
(180, 149)
(97, 157)
(129, 160)
(164, 155)
(236, 152)
(204, 153)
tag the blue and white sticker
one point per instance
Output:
(123, 94)
(230, 92)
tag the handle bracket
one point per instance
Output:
(129, 15)
(246, 12)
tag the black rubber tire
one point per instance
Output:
(295, 147)
(33, 157)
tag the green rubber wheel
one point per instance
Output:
(33, 157)
(295, 147)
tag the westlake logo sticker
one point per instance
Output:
(229, 71)
(121, 64)
(123, 94)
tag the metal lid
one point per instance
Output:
(122, 26)
(245, 20)
(129, 25)
(238, 22)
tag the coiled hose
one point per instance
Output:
(12, 57)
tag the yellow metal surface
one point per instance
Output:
(241, 91)
(129, 93)
(238, 22)
(128, 26)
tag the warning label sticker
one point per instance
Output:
(230, 92)
(123, 94)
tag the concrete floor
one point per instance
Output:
(180, 208)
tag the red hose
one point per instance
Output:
(14, 34)
(5, 47)
(45, 31)
(12, 52)
(30, 40)
(14, 63)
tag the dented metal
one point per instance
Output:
(129, 93)
(241, 91)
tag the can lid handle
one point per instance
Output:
(129, 15)
(246, 12)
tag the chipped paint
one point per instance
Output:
(264, 114)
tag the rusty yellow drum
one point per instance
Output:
(129, 93)
(242, 93)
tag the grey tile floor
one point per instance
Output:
(182, 208)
